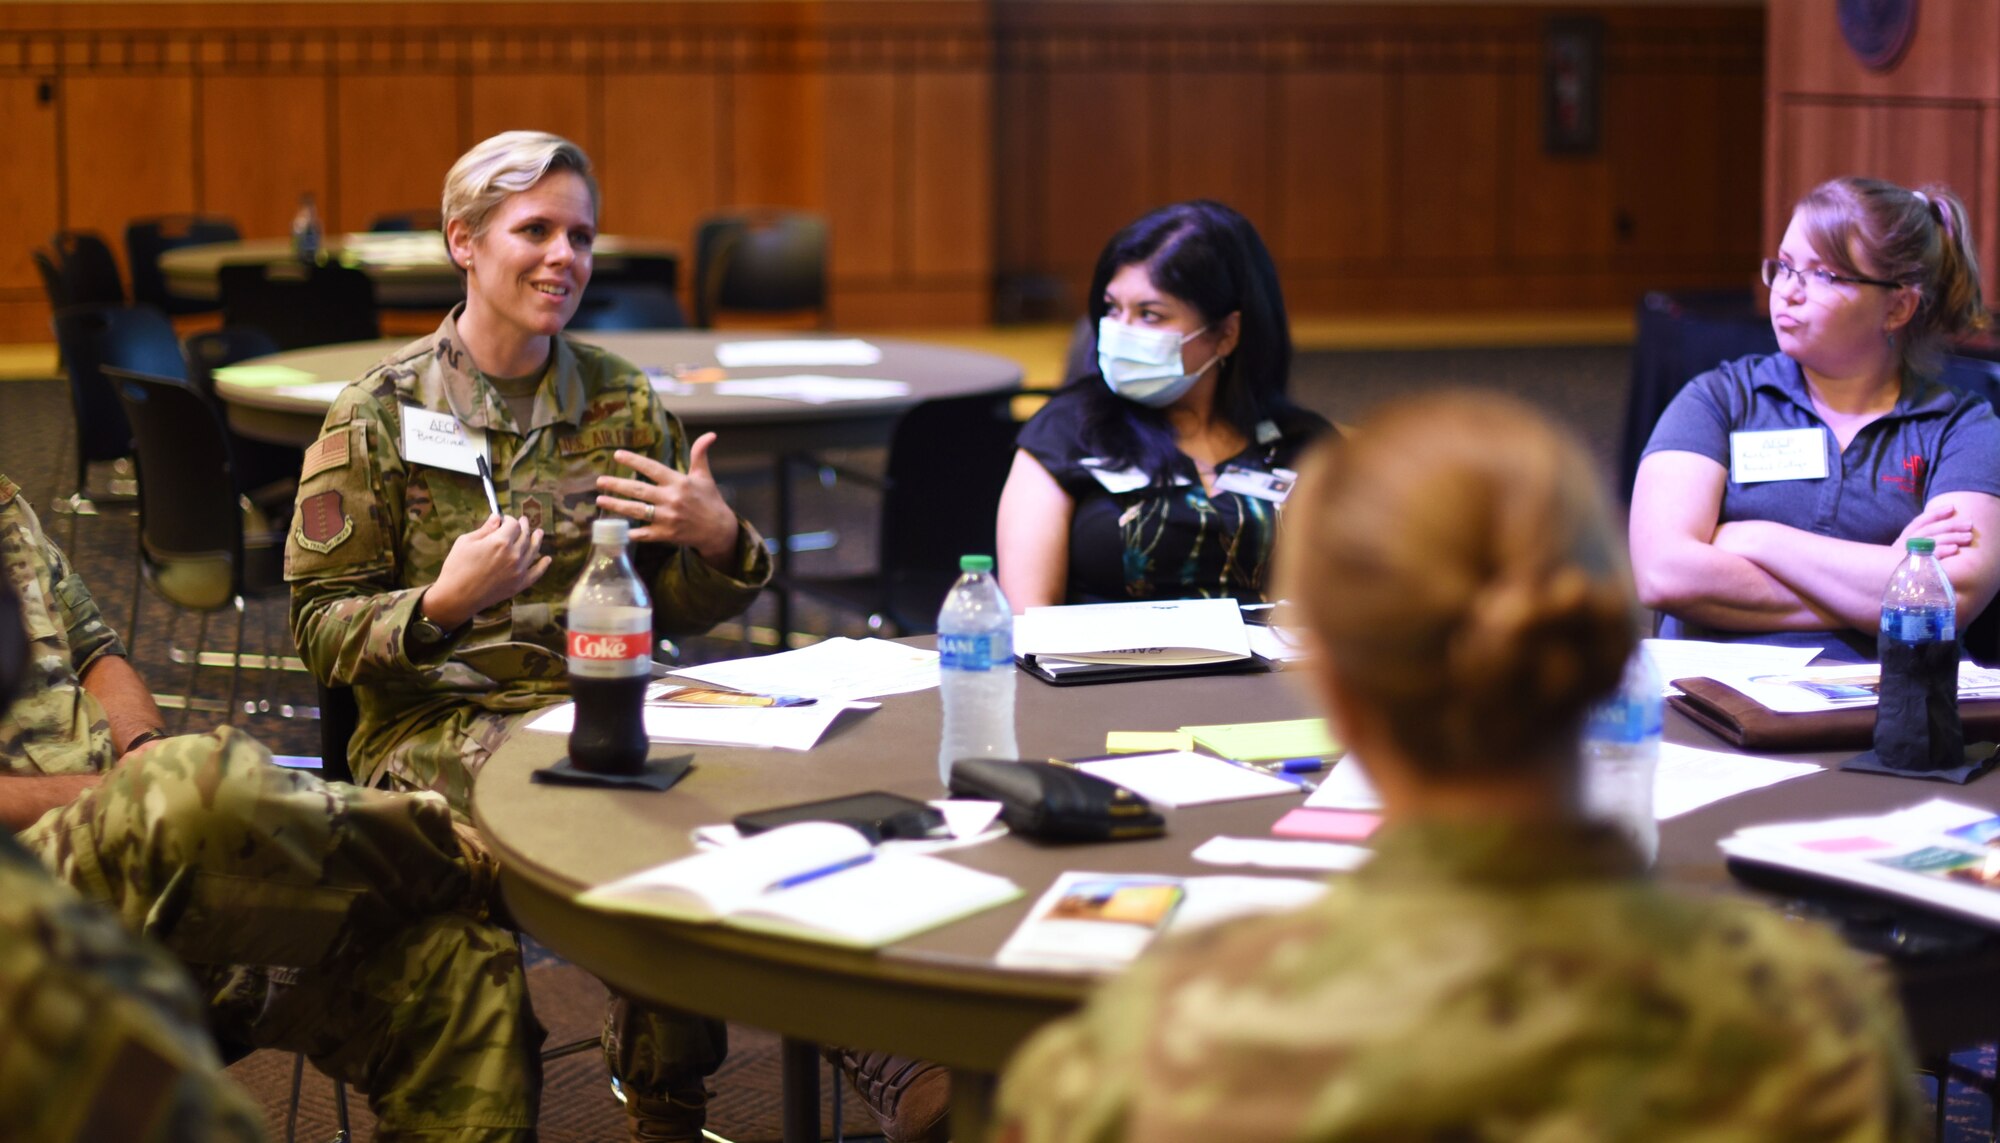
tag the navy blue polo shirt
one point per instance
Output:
(1935, 440)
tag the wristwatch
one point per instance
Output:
(425, 633)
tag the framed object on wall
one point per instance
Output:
(1572, 85)
(1878, 31)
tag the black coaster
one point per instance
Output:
(659, 774)
(1979, 758)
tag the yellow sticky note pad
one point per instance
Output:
(1146, 741)
(1266, 741)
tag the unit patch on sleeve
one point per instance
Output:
(323, 523)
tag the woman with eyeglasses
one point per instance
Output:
(1161, 475)
(1776, 493)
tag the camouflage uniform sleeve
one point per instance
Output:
(350, 603)
(89, 635)
(689, 595)
(105, 1039)
(40, 571)
(1074, 1080)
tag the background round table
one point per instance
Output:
(409, 268)
(940, 995)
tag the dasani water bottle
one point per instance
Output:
(1621, 754)
(976, 668)
(1916, 721)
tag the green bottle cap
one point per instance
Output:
(1922, 544)
(979, 563)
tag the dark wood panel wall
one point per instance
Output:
(971, 155)
(1933, 116)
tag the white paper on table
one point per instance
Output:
(1844, 686)
(1264, 640)
(1188, 631)
(809, 388)
(1689, 779)
(1271, 853)
(1212, 900)
(1702, 659)
(1183, 778)
(1345, 787)
(316, 391)
(796, 351)
(776, 727)
(831, 670)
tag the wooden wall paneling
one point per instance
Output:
(1336, 172)
(27, 180)
(1683, 190)
(775, 139)
(1907, 144)
(555, 99)
(1215, 136)
(660, 167)
(1098, 164)
(1556, 206)
(263, 144)
(382, 171)
(1447, 162)
(128, 150)
(951, 209)
(867, 180)
(1020, 150)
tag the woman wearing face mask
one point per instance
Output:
(1161, 475)
(1854, 447)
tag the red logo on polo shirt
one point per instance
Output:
(1911, 479)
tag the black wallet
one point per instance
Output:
(879, 816)
(1049, 799)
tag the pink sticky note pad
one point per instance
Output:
(1327, 825)
(1843, 844)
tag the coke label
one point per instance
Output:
(611, 654)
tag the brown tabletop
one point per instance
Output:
(409, 269)
(747, 425)
(940, 995)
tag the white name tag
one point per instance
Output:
(438, 440)
(1273, 486)
(1777, 454)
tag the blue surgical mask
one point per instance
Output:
(1146, 365)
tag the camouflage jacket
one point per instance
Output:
(104, 1038)
(1481, 983)
(54, 726)
(372, 529)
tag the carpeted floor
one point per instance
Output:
(1582, 386)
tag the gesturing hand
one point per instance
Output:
(1941, 523)
(493, 562)
(673, 507)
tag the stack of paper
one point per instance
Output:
(1939, 853)
(838, 670)
(1179, 778)
(785, 352)
(1098, 921)
(1845, 685)
(1167, 633)
(1699, 659)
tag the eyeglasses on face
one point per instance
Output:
(1777, 271)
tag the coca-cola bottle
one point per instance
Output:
(610, 661)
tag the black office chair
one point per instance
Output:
(300, 304)
(765, 261)
(948, 460)
(88, 272)
(195, 549)
(614, 307)
(148, 238)
(267, 473)
(91, 336)
(406, 221)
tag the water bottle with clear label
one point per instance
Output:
(1621, 754)
(976, 668)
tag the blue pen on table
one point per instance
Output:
(798, 879)
(1302, 765)
(486, 481)
(1272, 771)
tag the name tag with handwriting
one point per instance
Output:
(440, 441)
(1777, 454)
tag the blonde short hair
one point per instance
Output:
(507, 164)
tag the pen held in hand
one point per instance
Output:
(486, 482)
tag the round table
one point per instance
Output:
(409, 269)
(940, 995)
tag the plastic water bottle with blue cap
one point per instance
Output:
(1621, 755)
(976, 668)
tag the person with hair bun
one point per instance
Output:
(1776, 493)
(1161, 475)
(1501, 968)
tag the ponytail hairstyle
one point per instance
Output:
(1875, 229)
(1206, 255)
(1455, 558)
